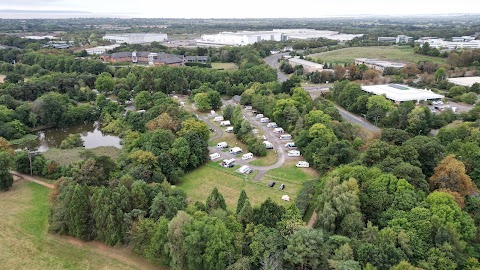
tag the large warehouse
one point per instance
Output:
(136, 38)
(464, 81)
(399, 93)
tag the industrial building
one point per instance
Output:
(136, 38)
(464, 81)
(101, 49)
(399, 93)
(249, 37)
(150, 58)
(397, 40)
(465, 42)
(379, 65)
(308, 66)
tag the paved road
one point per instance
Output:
(315, 91)
(272, 61)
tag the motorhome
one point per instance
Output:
(235, 150)
(272, 125)
(225, 123)
(222, 145)
(214, 156)
(264, 120)
(293, 153)
(228, 163)
(218, 119)
(245, 169)
(229, 130)
(285, 137)
(290, 145)
(260, 115)
(278, 130)
(247, 156)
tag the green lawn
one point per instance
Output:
(225, 66)
(291, 174)
(67, 156)
(394, 53)
(270, 159)
(25, 243)
(199, 183)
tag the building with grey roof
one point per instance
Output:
(136, 38)
(380, 65)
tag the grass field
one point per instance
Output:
(25, 243)
(199, 183)
(394, 53)
(225, 66)
(289, 172)
(269, 159)
(67, 156)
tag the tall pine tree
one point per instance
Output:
(215, 200)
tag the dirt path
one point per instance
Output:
(312, 220)
(122, 254)
(31, 179)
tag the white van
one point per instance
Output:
(272, 125)
(247, 156)
(302, 164)
(264, 120)
(229, 130)
(225, 123)
(214, 156)
(293, 153)
(285, 137)
(278, 130)
(235, 150)
(260, 115)
(218, 119)
(222, 145)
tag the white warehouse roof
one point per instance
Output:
(398, 93)
(464, 81)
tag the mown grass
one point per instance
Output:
(225, 66)
(25, 243)
(393, 53)
(66, 156)
(199, 183)
(270, 159)
(289, 172)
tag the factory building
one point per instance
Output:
(136, 38)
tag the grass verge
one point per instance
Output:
(25, 243)
(67, 156)
(199, 183)
(393, 53)
(225, 66)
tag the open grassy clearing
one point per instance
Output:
(289, 172)
(270, 159)
(199, 183)
(67, 156)
(394, 53)
(225, 66)
(25, 243)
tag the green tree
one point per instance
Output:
(306, 250)
(143, 101)
(214, 99)
(104, 83)
(378, 107)
(72, 141)
(215, 201)
(80, 215)
(269, 213)
(202, 102)
(241, 200)
(450, 173)
(175, 243)
(6, 162)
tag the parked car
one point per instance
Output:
(271, 184)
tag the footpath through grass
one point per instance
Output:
(393, 53)
(25, 243)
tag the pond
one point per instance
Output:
(91, 135)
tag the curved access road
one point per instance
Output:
(272, 61)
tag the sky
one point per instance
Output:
(247, 8)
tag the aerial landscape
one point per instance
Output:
(260, 136)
